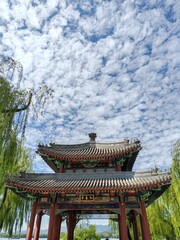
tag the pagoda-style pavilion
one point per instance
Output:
(90, 178)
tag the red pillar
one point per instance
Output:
(57, 227)
(71, 225)
(135, 227)
(123, 233)
(118, 168)
(31, 222)
(144, 222)
(38, 225)
(51, 221)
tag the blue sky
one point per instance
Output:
(114, 67)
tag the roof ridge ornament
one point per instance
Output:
(92, 136)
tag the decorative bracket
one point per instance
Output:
(59, 164)
(120, 162)
(90, 163)
(144, 196)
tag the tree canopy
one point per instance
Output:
(163, 213)
(14, 157)
(82, 233)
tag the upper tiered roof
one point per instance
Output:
(90, 152)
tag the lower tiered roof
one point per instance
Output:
(88, 182)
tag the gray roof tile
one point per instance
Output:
(76, 182)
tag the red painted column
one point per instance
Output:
(135, 227)
(118, 168)
(38, 225)
(31, 222)
(51, 221)
(123, 233)
(57, 227)
(144, 222)
(119, 220)
(71, 225)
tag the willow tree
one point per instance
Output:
(113, 223)
(14, 158)
(164, 212)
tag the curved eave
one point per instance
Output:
(89, 153)
(73, 185)
(49, 154)
(50, 163)
(128, 165)
(90, 144)
(157, 193)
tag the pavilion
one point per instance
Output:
(90, 178)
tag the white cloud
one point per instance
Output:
(113, 66)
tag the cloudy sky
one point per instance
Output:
(113, 66)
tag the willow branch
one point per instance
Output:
(26, 106)
(4, 197)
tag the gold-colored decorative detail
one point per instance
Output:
(86, 197)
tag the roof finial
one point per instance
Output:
(92, 136)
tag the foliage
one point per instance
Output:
(163, 213)
(12, 124)
(114, 225)
(14, 209)
(14, 158)
(82, 233)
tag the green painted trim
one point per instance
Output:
(159, 188)
(144, 196)
(59, 163)
(120, 162)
